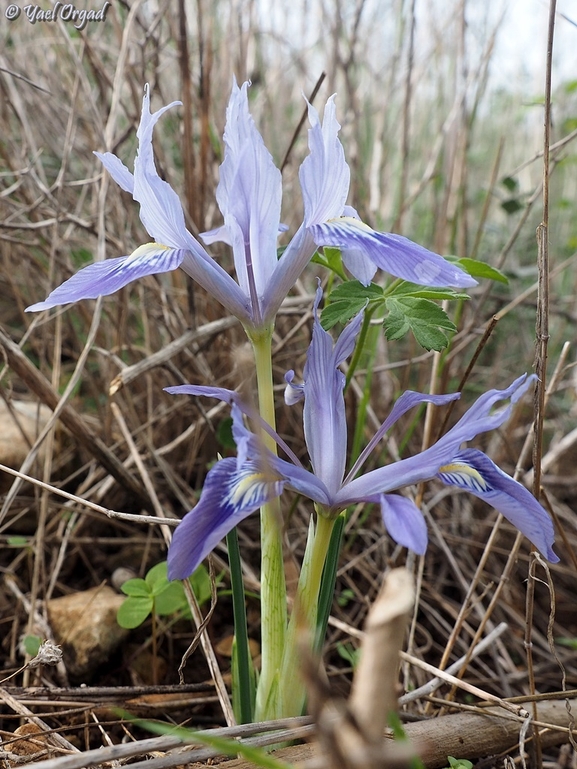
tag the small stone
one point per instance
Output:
(121, 575)
(85, 625)
(20, 424)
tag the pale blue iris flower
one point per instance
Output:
(249, 197)
(236, 487)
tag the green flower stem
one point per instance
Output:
(304, 615)
(367, 356)
(359, 347)
(273, 585)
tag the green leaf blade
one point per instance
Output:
(170, 600)
(477, 269)
(347, 300)
(430, 324)
(134, 611)
(136, 587)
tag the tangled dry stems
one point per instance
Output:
(58, 211)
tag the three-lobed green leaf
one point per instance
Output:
(346, 300)
(405, 307)
(430, 324)
(156, 594)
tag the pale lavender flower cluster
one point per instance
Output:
(249, 198)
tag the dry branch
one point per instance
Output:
(42, 388)
(463, 735)
(189, 339)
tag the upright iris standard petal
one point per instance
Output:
(229, 495)
(473, 471)
(332, 223)
(324, 174)
(325, 177)
(393, 253)
(324, 417)
(160, 208)
(249, 197)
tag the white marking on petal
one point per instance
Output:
(464, 476)
(248, 488)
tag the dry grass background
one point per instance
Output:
(430, 134)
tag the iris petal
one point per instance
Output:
(424, 466)
(229, 495)
(324, 174)
(359, 265)
(473, 471)
(160, 208)
(324, 409)
(222, 393)
(293, 393)
(117, 170)
(406, 401)
(397, 255)
(105, 277)
(404, 522)
(249, 196)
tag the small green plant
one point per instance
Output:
(345, 597)
(459, 763)
(31, 644)
(571, 643)
(155, 595)
(348, 653)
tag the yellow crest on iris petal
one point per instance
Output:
(249, 486)
(464, 476)
(147, 249)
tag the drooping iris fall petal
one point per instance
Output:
(110, 275)
(230, 493)
(392, 253)
(473, 471)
